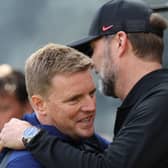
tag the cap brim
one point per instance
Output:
(83, 45)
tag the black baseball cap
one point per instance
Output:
(131, 16)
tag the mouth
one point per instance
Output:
(87, 121)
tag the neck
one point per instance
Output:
(132, 74)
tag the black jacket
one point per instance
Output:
(141, 133)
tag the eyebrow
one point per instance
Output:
(93, 91)
(73, 97)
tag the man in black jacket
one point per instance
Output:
(127, 42)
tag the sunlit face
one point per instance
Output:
(105, 65)
(71, 104)
(10, 107)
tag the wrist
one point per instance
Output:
(30, 134)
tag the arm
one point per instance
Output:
(142, 142)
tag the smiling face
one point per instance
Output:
(71, 104)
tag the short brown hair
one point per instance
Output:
(50, 60)
(149, 44)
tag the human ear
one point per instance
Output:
(38, 104)
(121, 38)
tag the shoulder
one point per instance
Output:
(97, 142)
(102, 139)
(22, 158)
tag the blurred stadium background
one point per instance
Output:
(26, 25)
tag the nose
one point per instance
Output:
(89, 104)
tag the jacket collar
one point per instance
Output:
(52, 130)
(147, 82)
(138, 91)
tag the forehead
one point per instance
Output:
(78, 81)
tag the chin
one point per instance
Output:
(88, 133)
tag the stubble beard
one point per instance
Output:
(107, 80)
(107, 86)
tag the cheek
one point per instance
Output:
(72, 113)
(65, 115)
(98, 60)
(66, 121)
